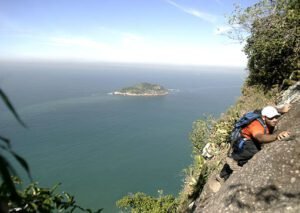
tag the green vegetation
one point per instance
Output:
(144, 89)
(37, 199)
(271, 32)
(140, 202)
(8, 189)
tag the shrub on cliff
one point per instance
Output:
(140, 202)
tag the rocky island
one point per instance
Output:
(143, 89)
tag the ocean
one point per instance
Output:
(102, 147)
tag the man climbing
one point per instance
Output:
(255, 134)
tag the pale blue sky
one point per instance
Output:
(155, 31)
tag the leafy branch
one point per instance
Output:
(33, 198)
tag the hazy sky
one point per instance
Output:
(145, 31)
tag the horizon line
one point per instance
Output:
(70, 61)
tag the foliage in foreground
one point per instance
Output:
(33, 198)
(37, 199)
(6, 169)
(142, 203)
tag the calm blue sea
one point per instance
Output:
(102, 147)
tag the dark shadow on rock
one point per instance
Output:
(266, 196)
(235, 200)
(290, 195)
(200, 184)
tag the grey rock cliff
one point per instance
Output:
(270, 181)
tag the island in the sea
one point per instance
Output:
(143, 89)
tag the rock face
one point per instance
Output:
(291, 95)
(270, 181)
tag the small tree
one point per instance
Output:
(271, 32)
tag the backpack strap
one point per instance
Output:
(263, 124)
